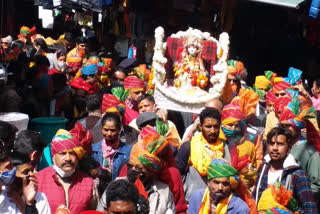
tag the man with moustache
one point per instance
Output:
(218, 197)
(194, 157)
(63, 183)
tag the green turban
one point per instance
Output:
(220, 168)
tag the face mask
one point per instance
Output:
(132, 175)
(231, 133)
(62, 173)
(8, 177)
(61, 64)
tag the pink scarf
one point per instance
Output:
(108, 151)
(316, 102)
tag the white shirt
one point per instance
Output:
(7, 207)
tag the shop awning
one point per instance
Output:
(285, 3)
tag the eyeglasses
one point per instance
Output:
(5, 43)
(282, 94)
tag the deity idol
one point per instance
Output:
(190, 71)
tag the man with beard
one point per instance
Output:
(137, 89)
(194, 156)
(280, 166)
(218, 197)
(63, 183)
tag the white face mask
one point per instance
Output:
(61, 64)
(62, 173)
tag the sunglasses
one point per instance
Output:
(5, 43)
(280, 94)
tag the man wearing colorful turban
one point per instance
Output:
(218, 197)
(25, 34)
(305, 150)
(87, 80)
(63, 183)
(242, 150)
(149, 162)
(136, 89)
(237, 72)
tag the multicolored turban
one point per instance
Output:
(64, 141)
(74, 61)
(89, 69)
(109, 101)
(147, 150)
(132, 82)
(142, 72)
(281, 103)
(231, 114)
(262, 82)
(220, 168)
(247, 100)
(270, 75)
(277, 199)
(236, 68)
(293, 76)
(24, 30)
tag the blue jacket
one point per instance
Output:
(119, 159)
(236, 205)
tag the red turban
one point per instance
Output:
(270, 98)
(79, 83)
(84, 136)
(133, 82)
(281, 103)
(109, 101)
(281, 86)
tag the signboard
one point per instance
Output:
(285, 3)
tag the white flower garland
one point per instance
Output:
(218, 80)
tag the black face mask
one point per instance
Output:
(80, 105)
(132, 174)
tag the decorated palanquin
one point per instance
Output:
(189, 69)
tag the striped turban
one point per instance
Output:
(231, 114)
(281, 103)
(262, 82)
(133, 82)
(220, 168)
(270, 98)
(64, 141)
(281, 86)
(109, 101)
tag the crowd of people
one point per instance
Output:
(253, 150)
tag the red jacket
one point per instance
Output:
(80, 191)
